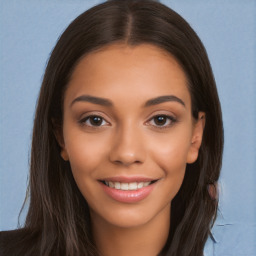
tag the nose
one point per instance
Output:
(127, 147)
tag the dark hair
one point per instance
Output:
(58, 211)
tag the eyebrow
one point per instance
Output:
(108, 103)
(162, 99)
(94, 100)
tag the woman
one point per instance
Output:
(127, 140)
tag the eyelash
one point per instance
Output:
(170, 119)
(85, 119)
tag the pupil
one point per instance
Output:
(160, 120)
(95, 120)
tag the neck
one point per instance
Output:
(144, 240)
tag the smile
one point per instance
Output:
(125, 190)
(127, 186)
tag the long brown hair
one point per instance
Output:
(58, 213)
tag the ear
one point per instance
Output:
(196, 140)
(213, 190)
(58, 133)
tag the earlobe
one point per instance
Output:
(57, 130)
(64, 155)
(63, 152)
(197, 137)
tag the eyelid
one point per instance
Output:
(162, 113)
(169, 116)
(96, 126)
(94, 113)
(86, 116)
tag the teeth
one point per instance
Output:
(111, 184)
(117, 185)
(127, 186)
(133, 186)
(124, 186)
(140, 185)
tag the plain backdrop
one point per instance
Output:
(29, 30)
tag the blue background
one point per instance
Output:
(29, 30)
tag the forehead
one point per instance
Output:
(134, 72)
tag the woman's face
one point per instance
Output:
(128, 132)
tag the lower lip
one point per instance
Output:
(128, 196)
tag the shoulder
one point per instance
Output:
(19, 242)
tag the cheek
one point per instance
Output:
(86, 155)
(85, 152)
(170, 154)
(170, 151)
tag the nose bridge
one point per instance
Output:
(128, 146)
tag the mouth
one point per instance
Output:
(128, 189)
(126, 186)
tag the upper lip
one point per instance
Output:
(129, 179)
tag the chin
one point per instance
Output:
(130, 217)
(129, 221)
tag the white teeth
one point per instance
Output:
(133, 186)
(127, 186)
(117, 185)
(124, 186)
(111, 184)
(140, 185)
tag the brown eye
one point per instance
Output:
(93, 121)
(162, 121)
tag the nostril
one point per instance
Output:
(124, 154)
(126, 162)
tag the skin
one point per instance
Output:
(129, 141)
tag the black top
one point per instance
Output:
(25, 242)
(20, 242)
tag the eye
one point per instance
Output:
(94, 121)
(162, 121)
